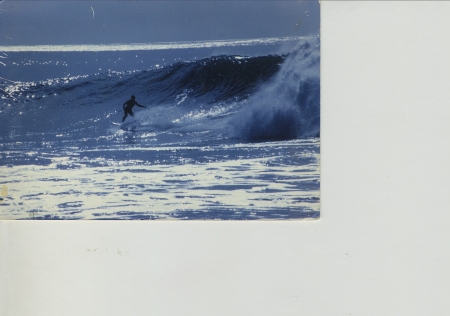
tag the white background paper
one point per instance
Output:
(380, 248)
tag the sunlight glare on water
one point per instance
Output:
(269, 180)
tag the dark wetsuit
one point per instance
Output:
(128, 107)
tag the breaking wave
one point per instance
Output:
(249, 98)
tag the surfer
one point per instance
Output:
(128, 107)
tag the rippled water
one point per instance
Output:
(272, 180)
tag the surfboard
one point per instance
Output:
(125, 126)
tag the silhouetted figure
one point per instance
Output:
(128, 107)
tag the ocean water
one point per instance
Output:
(229, 132)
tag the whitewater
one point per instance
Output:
(229, 132)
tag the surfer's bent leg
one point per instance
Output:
(126, 114)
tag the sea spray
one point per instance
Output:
(288, 106)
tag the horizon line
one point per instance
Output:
(150, 46)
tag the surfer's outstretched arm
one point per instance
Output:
(141, 106)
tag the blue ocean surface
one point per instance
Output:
(228, 133)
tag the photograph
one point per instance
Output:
(256, 158)
(159, 110)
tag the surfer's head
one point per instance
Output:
(133, 97)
